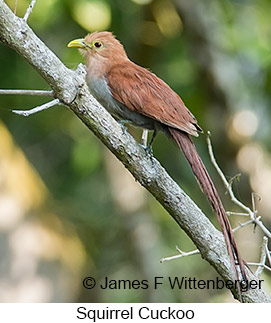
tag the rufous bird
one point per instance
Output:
(132, 93)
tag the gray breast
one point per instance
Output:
(101, 91)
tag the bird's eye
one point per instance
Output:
(98, 44)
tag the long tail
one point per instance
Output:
(187, 146)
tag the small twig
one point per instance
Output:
(252, 213)
(27, 92)
(253, 195)
(29, 10)
(267, 253)
(222, 176)
(262, 258)
(241, 225)
(258, 264)
(15, 7)
(261, 225)
(235, 178)
(182, 254)
(229, 213)
(45, 106)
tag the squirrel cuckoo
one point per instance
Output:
(132, 93)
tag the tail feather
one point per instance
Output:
(187, 146)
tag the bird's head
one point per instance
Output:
(99, 45)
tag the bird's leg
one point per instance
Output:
(123, 124)
(148, 148)
(153, 137)
(144, 138)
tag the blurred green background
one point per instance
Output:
(69, 209)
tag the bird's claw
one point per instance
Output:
(148, 150)
(123, 124)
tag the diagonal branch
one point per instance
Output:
(70, 88)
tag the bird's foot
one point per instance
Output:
(148, 150)
(123, 124)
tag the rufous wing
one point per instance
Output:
(142, 91)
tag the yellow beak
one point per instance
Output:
(79, 43)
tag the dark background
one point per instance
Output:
(69, 209)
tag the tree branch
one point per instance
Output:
(27, 92)
(251, 213)
(29, 10)
(42, 107)
(181, 254)
(70, 88)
